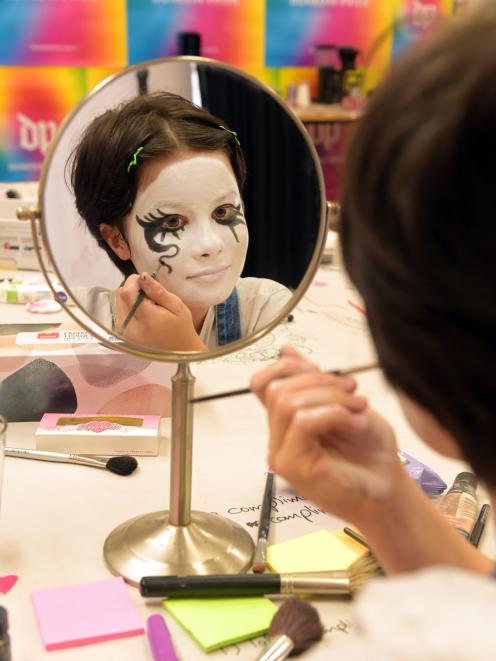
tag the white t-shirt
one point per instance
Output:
(260, 300)
(437, 614)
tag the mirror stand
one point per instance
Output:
(178, 541)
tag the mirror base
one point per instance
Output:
(149, 545)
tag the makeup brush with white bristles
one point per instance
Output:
(294, 628)
(122, 465)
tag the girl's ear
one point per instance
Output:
(114, 239)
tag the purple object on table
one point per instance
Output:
(427, 479)
(160, 640)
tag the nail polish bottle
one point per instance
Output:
(459, 504)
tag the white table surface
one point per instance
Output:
(54, 518)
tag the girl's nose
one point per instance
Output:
(208, 242)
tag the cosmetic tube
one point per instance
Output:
(459, 504)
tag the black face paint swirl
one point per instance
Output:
(230, 216)
(159, 223)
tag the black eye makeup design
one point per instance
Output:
(158, 224)
(229, 215)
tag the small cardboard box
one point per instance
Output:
(98, 434)
(39, 374)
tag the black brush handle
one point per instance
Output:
(263, 531)
(215, 585)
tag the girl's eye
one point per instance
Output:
(226, 214)
(172, 223)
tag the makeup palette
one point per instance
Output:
(95, 434)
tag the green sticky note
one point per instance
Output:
(216, 622)
(316, 552)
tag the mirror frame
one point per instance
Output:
(48, 263)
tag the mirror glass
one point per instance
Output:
(227, 248)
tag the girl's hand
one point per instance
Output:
(162, 321)
(326, 441)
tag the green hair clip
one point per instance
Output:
(233, 133)
(134, 160)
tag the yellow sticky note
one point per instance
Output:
(218, 622)
(319, 551)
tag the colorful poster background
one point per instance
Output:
(295, 27)
(33, 102)
(231, 30)
(416, 19)
(331, 142)
(63, 33)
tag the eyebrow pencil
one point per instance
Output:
(356, 536)
(122, 465)
(480, 524)
(331, 583)
(246, 391)
(259, 563)
(137, 303)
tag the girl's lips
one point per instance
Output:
(209, 275)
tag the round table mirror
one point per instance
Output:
(265, 254)
(199, 175)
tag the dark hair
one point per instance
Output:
(162, 124)
(418, 230)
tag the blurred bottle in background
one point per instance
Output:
(188, 43)
(330, 77)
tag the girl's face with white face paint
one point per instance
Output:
(188, 217)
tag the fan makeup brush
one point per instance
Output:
(121, 465)
(340, 583)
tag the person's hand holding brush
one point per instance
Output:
(160, 320)
(325, 439)
(337, 451)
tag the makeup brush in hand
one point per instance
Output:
(139, 300)
(294, 628)
(122, 465)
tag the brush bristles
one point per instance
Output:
(123, 465)
(362, 570)
(300, 621)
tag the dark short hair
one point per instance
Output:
(162, 124)
(418, 230)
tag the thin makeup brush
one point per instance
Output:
(339, 583)
(259, 563)
(246, 391)
(137, 303)
(294, 628)
(121, 465)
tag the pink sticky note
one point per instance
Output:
(85, 613)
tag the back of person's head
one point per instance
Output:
(418, 229)
(161, 124)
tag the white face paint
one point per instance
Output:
(188, 214)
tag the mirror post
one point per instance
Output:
(333, 210)
(181, 446)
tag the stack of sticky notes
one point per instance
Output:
(218, 622)
(85, 613)
(319, 551)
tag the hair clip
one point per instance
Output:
(233, 133)
(134, 160)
